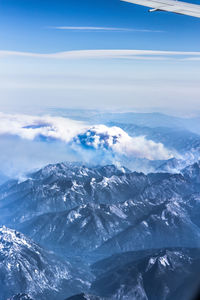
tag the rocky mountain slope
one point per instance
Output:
(113, 209)
(87, 214)
(155, 274)
(20, 297)
(27, 268)
(62, 187)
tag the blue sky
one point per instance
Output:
(31, 26)
(24, 25)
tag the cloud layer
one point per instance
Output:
(80, 136)
(106, 54)
(33, 127)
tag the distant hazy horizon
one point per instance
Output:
(107, 55)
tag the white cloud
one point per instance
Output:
(31, 127)
(92, 28)
(101, 137)
(192, 58)
(105, 54)
(80, 136)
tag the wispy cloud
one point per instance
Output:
(106, 54)
(192, 58)
(106, 29)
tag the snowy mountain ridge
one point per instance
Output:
(81, 225)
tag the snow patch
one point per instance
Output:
(115, 210)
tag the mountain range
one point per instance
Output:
(104, 232)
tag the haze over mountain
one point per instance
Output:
(96, 230)
(139, 146)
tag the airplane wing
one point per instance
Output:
(174, 6)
